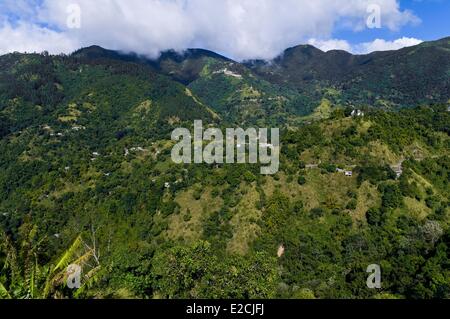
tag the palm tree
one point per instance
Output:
(22, 277)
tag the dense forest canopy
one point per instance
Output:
(86, 176)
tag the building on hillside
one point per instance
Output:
(357, 113)
(398, 171)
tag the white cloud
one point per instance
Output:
(331, 44)
(31, 38)
(240, 29)
(383, 45)
(366, 47)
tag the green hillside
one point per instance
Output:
(404, 78)
(86, 176)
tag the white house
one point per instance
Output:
(78, 128)
(357, 113)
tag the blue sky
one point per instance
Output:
(435, 24)
(435, 16)
(240, 29)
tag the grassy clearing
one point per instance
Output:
(320, 189)
(189, 229)
(245, 229)
(368, 197)
(416, 208)
(383, 153)
(323, 111)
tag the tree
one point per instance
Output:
(375, 217)
(392, 197)
(196, 271)
(301, 180)
(26, 278)
(432, 231)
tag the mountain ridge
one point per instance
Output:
(389, 79)
(192, 51)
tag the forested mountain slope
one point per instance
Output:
(86, 177)
(296, 82)
(405, 78)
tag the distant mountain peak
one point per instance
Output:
(91, 50)
(395, 76)
(190, 54)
